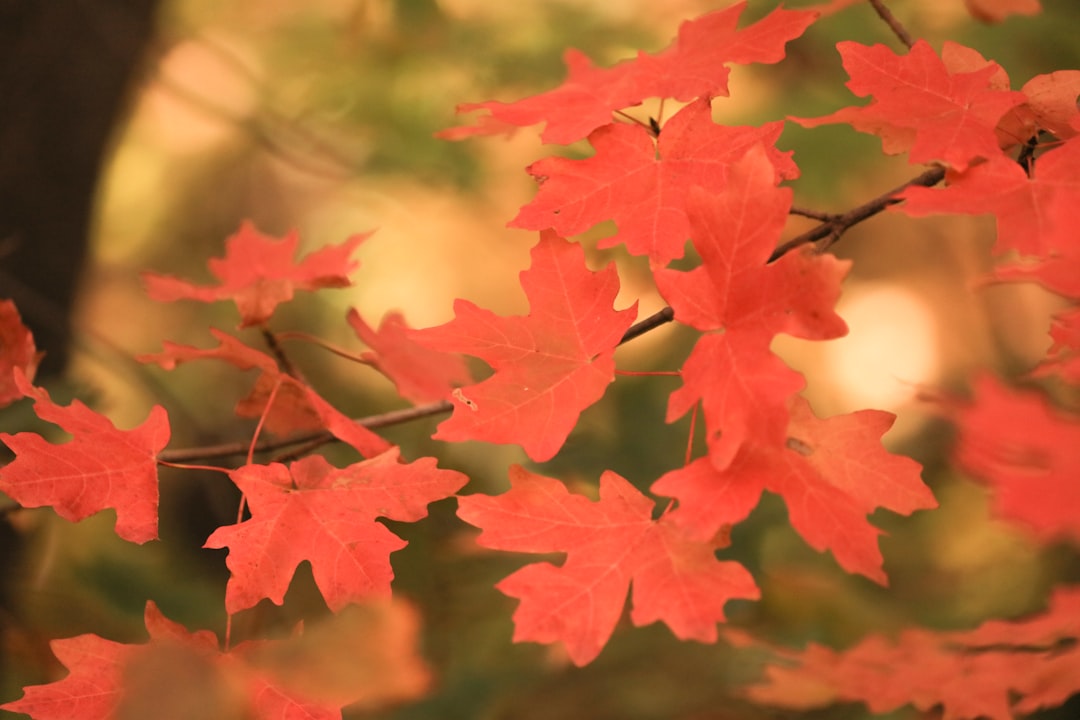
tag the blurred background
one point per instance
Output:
(137, 135)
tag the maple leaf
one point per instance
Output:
(365, 656)
(17, 350)
(420, 374)
(549, 365)
(581, 104)
(91, 690)
(921, 105)
(297, 407)
(994, 11)
(743, 386)
(693, 66)
(994, 671)
(1063, 358)
(1057, 272)
(1050, 106)
(1025, 451)
(641, 182)
(610, 544)
(108, 679)
(259, 272)
(832, 473)
(313, 511)
(1035, 215)
(101, 467)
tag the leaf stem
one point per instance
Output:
(633, 119)
(262, 421)
(188, 466)
(329, 347)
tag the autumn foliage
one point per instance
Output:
(976, 146)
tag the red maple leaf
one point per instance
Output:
(581, 104)
(549, 365)
(109, 679)
(17, 350)
(420, 374)
(313, 511)
(91, 690)
(1050, 106)
(1025, 451)
(642, 182)
(832, 473)
(1063, 358)
(297, 407)
(922, 105)
(259, 272)
(694, 66)
(610, 544)
(1058, 272)
(994, 11)
(994, 671)
(743, 386)
(101, 467)
(1035, 215)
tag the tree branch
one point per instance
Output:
(839, 224)
(892, 22)
(372, 422)
(652, 322)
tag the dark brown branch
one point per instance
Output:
(839, 224)
(652, 322)
(892, 22)
(372, 422)
(1054, 647)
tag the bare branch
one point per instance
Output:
(840, 223)
(892, 22)
(372, 422)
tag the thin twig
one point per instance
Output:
(372, 422)
(839, 224)
(892, 22)
(812, 214)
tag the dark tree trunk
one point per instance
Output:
(65, 70)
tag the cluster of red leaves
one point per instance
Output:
(689, 177)
(259, 679)
(662, 182)
(308, 510)
(1014, 155)
(993, 671)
